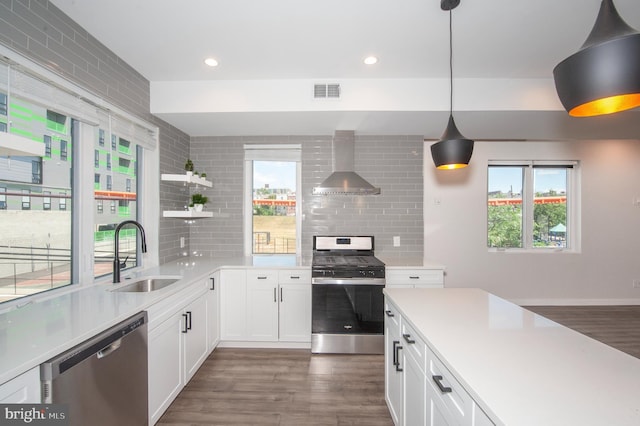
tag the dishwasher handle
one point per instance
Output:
(93, 346)
(109, 349)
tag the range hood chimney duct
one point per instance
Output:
(343, 180)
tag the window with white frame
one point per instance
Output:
(272, 213)
(47, 257)
(121, 189)
(532, 205)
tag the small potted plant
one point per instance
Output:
(198, 201)
(203, 175)
(188, 167)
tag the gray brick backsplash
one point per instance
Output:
(393, 163)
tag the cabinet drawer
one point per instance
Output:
(421, 277)
(391, 316)
(294, 276)
(456, 400)
(264, 276)
(413, 344)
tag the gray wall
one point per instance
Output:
(604, 268)
(393, 163)
(41, 32)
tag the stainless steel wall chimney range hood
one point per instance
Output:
(343, 180)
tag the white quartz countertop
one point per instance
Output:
(41, 329)
(521, 368)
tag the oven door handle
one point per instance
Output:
(349, 281)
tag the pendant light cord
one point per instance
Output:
(450, 63)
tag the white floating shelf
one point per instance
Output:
(192, 179)
(186, 214)
(192, 214)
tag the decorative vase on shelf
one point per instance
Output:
(198, 207)
(189, 173)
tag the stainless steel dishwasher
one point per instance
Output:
(103, 381)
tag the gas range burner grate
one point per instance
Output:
(353, 261)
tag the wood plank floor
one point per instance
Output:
(283, 387)
(616, 326)
(293, 387)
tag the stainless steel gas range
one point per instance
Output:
(347, 301)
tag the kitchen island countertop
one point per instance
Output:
(520, 367)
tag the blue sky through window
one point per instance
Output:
(276, 174)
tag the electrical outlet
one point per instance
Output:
(181, 242)
(396, 241)
(636, 283)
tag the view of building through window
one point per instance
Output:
(35, 207)
(527, 206)
(274, 207)
(115, 184)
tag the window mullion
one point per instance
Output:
(527, 206)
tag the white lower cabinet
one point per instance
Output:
(414, 277)
(393, 375)
(213, 311)
(415, 402)
(24, 389)
(194, 333)
(262, 305)
(414, 391)
(419, 389)
(166, 375)
(294, 306)
(178, 344)
(266, 305)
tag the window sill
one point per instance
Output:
(534, 251)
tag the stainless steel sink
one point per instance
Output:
(145, 285)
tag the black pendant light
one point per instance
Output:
(453, 151)
(603, 77)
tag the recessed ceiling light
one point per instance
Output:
(370, 60)
(211, 62)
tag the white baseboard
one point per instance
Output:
(574, 302)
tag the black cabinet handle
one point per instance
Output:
(213, 283)
(189, 316)
(275, 295)
(294, 277)
(443, 388)
(408, 340)
(185, 323)
(395, 354)
(389, 313)
(414, 277)
(262, 278)
(280, 294)
(398, 349)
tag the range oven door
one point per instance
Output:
(347, 318)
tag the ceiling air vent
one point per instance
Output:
(323, 91)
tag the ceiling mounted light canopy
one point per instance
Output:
(453, 151)
(603, 77)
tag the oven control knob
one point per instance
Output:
(363, 273)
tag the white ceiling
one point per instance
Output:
(326, 40)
